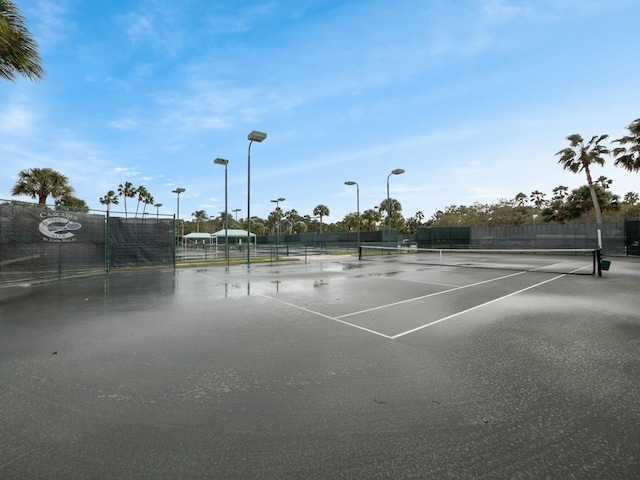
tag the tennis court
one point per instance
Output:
(333, 368)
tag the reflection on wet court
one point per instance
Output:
(331, 368)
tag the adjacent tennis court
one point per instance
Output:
(330, 368)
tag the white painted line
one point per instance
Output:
(429, 295)
(324, 316)
(474, 308)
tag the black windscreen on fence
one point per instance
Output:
(38, 242)
(139, 243)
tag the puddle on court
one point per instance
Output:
(351, 266)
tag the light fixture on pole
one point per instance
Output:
(178, 191)
(236, 210)
(358, 206)
(277, 202)
(222, 161)
(397, 171)
(254, 136)
(157, 205)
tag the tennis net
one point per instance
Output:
(565, 261)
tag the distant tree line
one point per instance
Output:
(592, 202)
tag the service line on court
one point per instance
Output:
(413, 330)
(422, 297)
(306, 310)
(335, 319)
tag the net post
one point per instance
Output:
(599, 261)
(359, 252)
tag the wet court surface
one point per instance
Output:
(334, 369)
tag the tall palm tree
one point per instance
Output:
(126, 191)
(291, 217)
(369, 219)
(560, 192)
(41, 183)
(520, 199)
(537, 197)
(18, 50)
(391, 208)
(141, 191)
(109, 199)
(580, 156)
(321, 211)
(147, 200)
(629, 157)
(631, 198)
(199, 216)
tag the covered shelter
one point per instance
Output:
(235, 237)
(196, 237)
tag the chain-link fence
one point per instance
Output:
(44, 241)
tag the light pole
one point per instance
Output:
(277, 202)
(397, 171)
(222, 161)
(157, 205)
(254, 136)
(236, 210)
(178, 191)
(358, 205)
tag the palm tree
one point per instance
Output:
(70, 203)
(148, 200)
(109, 199)
(631, 198)
(126, 191)
(199, 216)
(141, 191)
(291, 217)
(560, 192)
(370, 219)
(18, 50)
(41, 183)
(604, 182)
(537, 197)
(520, 199)
(321, 211)
(392, 208)
(629, 157)
(350, 221)
(578, 157)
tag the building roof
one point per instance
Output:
(232, 233)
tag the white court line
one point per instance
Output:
(429, 295)
(413, 330)
(474, 308)
(311, 311)
(324, 316)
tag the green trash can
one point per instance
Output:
(605, 264)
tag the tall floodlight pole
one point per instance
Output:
(358, 206)
(277, 202)
(254, 136)
(236, 210)
(157, 205)
(178, 191)
(222, 161)
(397, 171)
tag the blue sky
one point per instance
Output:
(472, 98)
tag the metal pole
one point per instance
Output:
(249, 205)
(226, 219)
(254, 136)
(388, 211)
